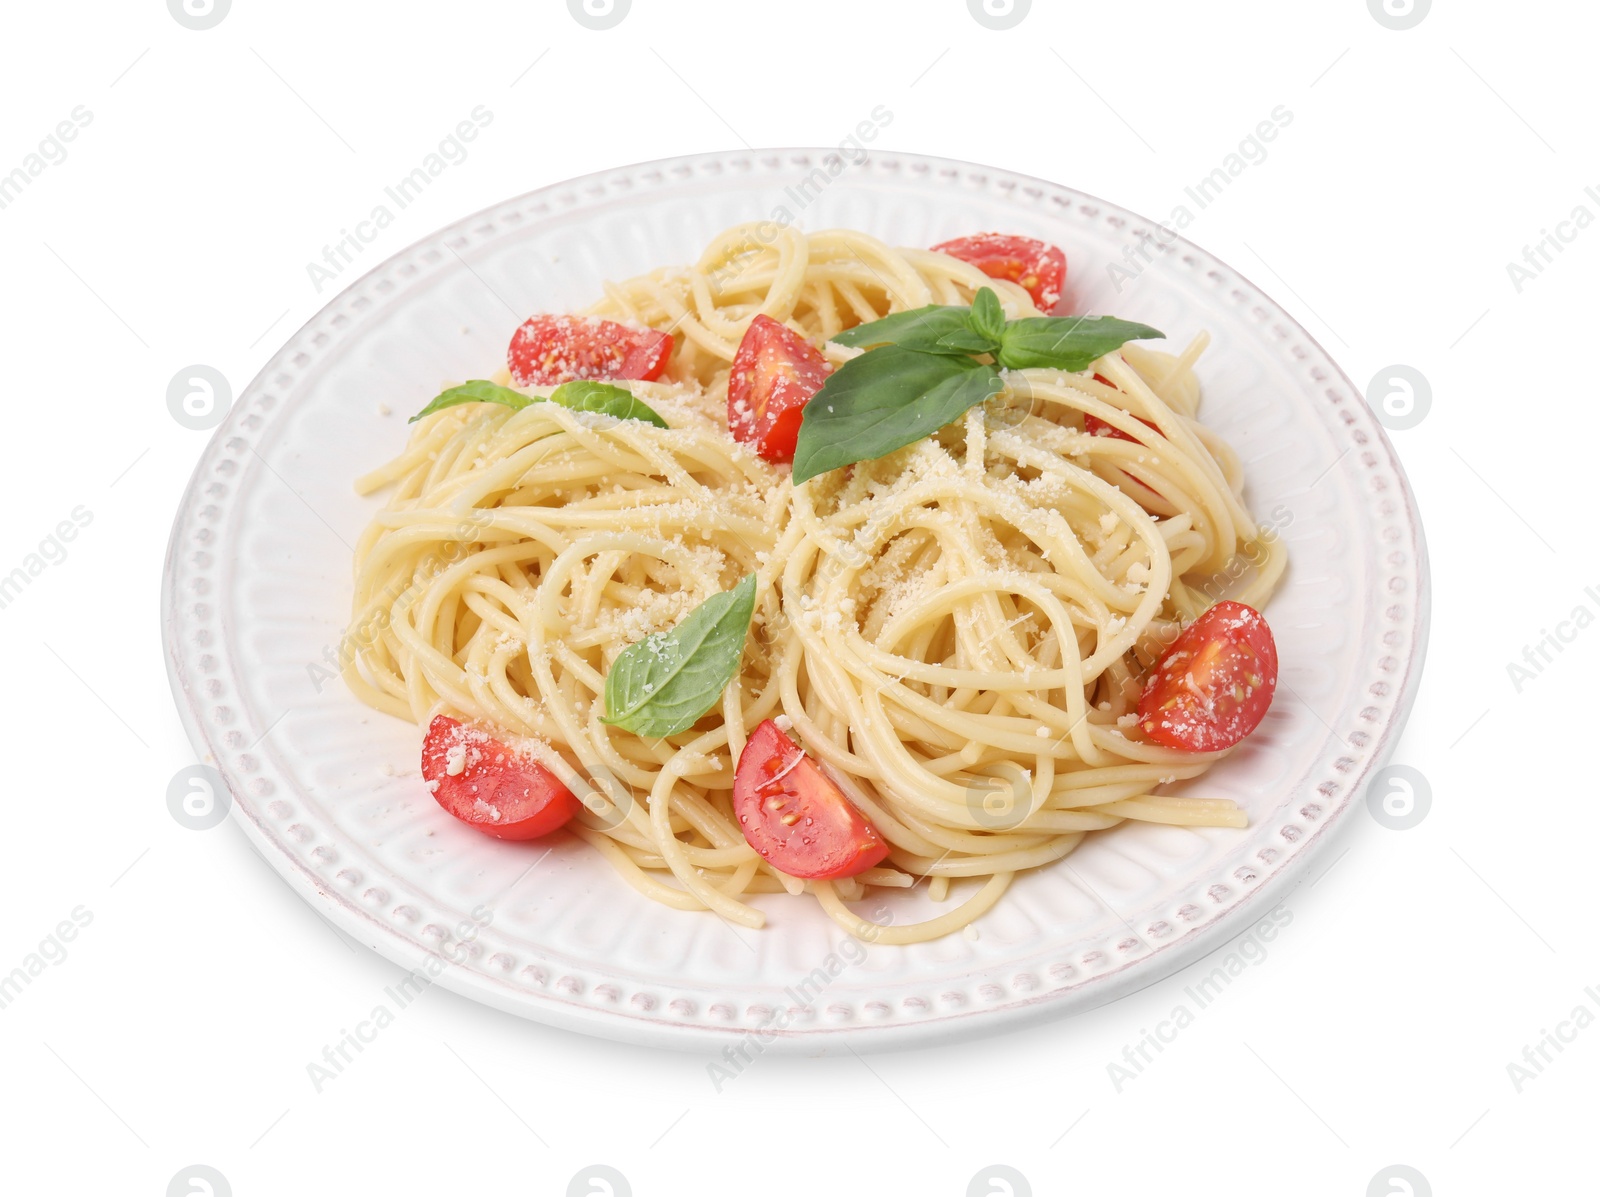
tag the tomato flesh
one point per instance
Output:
(1036, 266)
(775, 372)
(1212, 688)
(491, 786)
(548, 350)
(794, 816)
(1095, 426)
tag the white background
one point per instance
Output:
(177, 230)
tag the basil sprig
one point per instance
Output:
(477, 391)
(875, 403)
(579, 395)
(664, 683)
(1066, 342)
(923, 372)
(587, 395)
(927, 330)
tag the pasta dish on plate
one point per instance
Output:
(819, 567)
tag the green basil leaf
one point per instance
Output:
(988, 318)
(883, 400)
(920, 328)
(664, 683)
(965, 340)
(476, 391)
(1066, 342)
(587, 395)
(581, 395)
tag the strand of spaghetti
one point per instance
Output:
(672, 851)
(1182, 816)
(934, 928)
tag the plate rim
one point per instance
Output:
(654, 1028)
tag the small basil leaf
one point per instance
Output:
(1066, 342)
(476, 391)
(883, 400)
(586, 395)
(920, 328)
(965, 340)
(988, 319)
(664, 683)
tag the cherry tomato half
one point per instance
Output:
(1095, 426)
(774, 374)
(1036, 266)
(548, 350)
(794, 816)
(1212, 688)
(491, 786)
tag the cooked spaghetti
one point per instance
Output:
(958, 631)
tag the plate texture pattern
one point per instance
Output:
(257, 591)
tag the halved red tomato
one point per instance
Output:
(1095, 426)
(491, 786)
(794, 816)
(1037, 266)
(1212, 688)
(548, 350)
(774, 374)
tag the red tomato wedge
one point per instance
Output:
(774, 374)
(794, 816)
(493, 787)
(548, 350)
(1212, 688)
(1098, 428)
(1095, 426)
(1037, 266)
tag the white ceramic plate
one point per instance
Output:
(257, 593)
